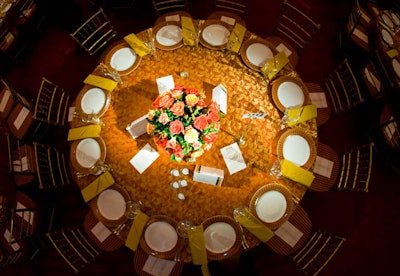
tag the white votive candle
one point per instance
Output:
(174, 172)
(185, 171)
(183, 182)
(175, 184)
(181, 196)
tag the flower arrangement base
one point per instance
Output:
(190, 159)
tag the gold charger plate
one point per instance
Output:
(119, 47)
(236, 243)
(84, 92)
(275, 86)
(73, 152)
(206, 25)
(257, 196)
(247, 44)
(170, 225)
(307, 137)
(162, 25)
(100, 216)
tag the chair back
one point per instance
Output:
(95, 33)
(52, 167)
(295, 27)
(316, 253)
(343, 88)
(74, 247)
(356, 169)
(318, 97)
(166, 6)
(239, 7)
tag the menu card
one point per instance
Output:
(220, 95)
(319, 100)
(165, 84)
(137, 127)
(323, 166)
(228, 20)
(144, 158)
(101, 231)
(158, 267)
(289, 233)
(233, 158)
(174, 17)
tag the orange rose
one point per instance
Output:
(212, 116)
(193, 91)
(178, 108)
(210, 138)
(166, 101)
(163, 118)
(176, 127)
(200, 122)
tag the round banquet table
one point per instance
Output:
(248, 92)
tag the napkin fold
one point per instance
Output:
(301, 114)
(188, 31)
(198, 248)
(392, 53)
(84, 132)
(296, 173)
(273, 66)
(101, 82)
(138, 224)
(256, 227)
(101, 183)
(236, 37)
(140, 48)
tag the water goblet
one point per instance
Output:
(182, 228)
(239, 212)
(131, 211)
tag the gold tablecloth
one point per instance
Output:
(247, 93)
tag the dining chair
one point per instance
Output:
(141, 257)
(165, 6)
(239, 7)
(317, 252)
(20, 120)
(51, 108)
(74, 246)
(355, 170)
(342, 87)
(95, 34)
(318, 98)
(295, 27)
(12, 47)
(100, 234)
(12, 257)
(292, 234)
(52, 167)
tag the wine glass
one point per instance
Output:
(131, 211)
(239, 212)
(182, 228)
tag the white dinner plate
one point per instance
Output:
(296, 149)
(258, 54)
(386, 19)
(290, 94)
(387, 37)
(111, 204)
(169, 35)
(271, 206)
(396, 67)
(215, 34)
(88, 151)
(123, 59)
(93, 101)
(219, 237)
(161, 236)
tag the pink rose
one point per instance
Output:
(160, 142)
(200, 122)
(165, 101)
(210, 138)
(176, 127)
(163, 119)
(176, 93)
(178, 151)
(212, 116)
(171, 144)
(178, 108)
(193, 91)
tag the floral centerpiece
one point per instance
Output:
(182, 124)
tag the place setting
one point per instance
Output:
(215, 34)
(256, 52)
(122, 58)
(168, 35)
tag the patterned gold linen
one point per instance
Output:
(247, 93)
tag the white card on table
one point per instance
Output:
(165, 84)
(21, 117)
(101, 231)
(233, 158)
(137, 127)
(220, 95)
(144, 158)
(158, 267)
(254, 115)
(319, 100)
(289, 233)
(281, 47)
(323, 166)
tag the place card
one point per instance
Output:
(174, 17)
(138, 126)
(208, 175)
(228, 20)
(319, 100)
(233, 158)
(4, 99)
(282, 48)
(25, 214)
(71, 112)
(21, 117)
(21, 165)
(220, 95)
(323, 166)
(101, 231)
(289, 233)
(144, 158)
(158, 267)
(165, 84)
